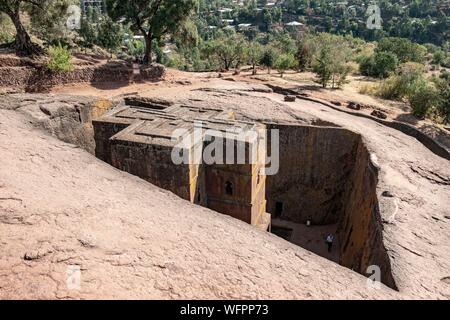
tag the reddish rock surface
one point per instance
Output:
(59, 207)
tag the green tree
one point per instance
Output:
(254, 53)
(228, 50)
(304, 55)
(187, 35)
(13, 8)
(285, 62)
(323, 66)
(380, 64)
(285, 43)
(153, 18)
(404, 49)
(268, 58)
(443, 88)
(110, 34)
(88, 30)
(267, 19)
(49, 21)
(330, 55)
(423, 97)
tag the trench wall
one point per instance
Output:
(326, 175)
(360, 227)
(315, 164)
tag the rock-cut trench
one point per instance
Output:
(326, 177)
(327, 184)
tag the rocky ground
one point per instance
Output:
(59, 206)
(351, 92)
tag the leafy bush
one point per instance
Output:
(423, 98)
(404, 49)
(446, 62)
(6, 29)
(439, 57)
(136, 48)
(285, 62)
(227, 50)
(60, 59)
(402, 82)
(443, 88)
(366, 65)
(379, 65)
(269, 56)
(174, 61)
(390, 89)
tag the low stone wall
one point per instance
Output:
(12, 60)
(41, 79)
(15, 76)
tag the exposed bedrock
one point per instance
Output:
(326, 175)
(67, 117)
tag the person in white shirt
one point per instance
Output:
(329, 241)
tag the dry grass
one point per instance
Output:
(368, 89)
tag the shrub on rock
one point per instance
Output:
(60, 59)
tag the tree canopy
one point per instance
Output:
(12, 8)
(152, 18)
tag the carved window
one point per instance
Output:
(278, 209)
(229, 188)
